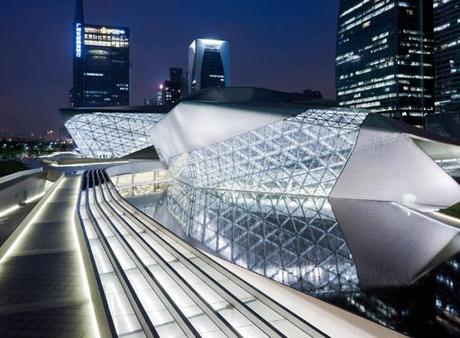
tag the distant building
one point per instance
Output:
(312, 94)
(157, 99)
(174, 88)
(209, 64)
(100, 64)
(447, 55)
(171, 91)
(384, 57)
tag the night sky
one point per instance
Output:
(279, 44)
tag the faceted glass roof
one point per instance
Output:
(301, 155)
(111, 135)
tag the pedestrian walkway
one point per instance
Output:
(42, 293)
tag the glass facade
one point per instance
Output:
(292, 239)
(209, 64)
(260, 199)
(447, 55)
(212, 73)
(384, 57)
(101, 65)
(302, 155)
(111, 135)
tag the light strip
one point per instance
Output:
(419, 213)
(8, 211)
(35, 198)
(26, 229)
(60, 153)
(84, 278)
(447, 217)
(85, 164)
(21, 236)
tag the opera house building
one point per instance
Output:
(244, 212)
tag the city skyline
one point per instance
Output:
(307, 35)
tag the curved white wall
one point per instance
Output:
(390, 166)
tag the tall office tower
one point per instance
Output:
(384, 57)
(208, 64)
(447, 55)
(100, 64)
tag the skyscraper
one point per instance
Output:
(384, 57)
(447, 55)
(100, 64)
(208, 64)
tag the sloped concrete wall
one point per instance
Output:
(17, 191)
